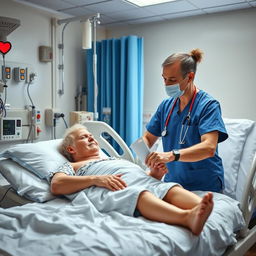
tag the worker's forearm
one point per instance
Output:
(148, 143)
(149, 139)
(197, 152)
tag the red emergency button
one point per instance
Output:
(38, 116)
(38, 130)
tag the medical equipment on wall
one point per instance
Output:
(7, 25)
(6, 73)
(80, 98)
(45, 53)
(94, 19)
(79, 117)
(17, 125)
(51, 118)
(185, 123)
(19, 74)
(52, 115)
(14, 72)
(33, 116)
(11, 75)
(11, 128)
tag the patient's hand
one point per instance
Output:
(159, 171)
(112, 182)
(155, 158)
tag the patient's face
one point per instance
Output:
(84, 143)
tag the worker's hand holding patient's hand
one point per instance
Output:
(155, 158)
(112, 182)
(158, 172)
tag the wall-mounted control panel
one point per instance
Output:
(19, 74)
(6, 73)
(13, 73)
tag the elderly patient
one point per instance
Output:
(114, 184)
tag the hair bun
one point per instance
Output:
(197, 54)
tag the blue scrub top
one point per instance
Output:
(207, 174)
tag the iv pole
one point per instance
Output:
(94, 21)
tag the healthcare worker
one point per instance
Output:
(191, 126)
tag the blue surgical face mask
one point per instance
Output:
(174, 90)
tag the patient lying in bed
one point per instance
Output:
(118, 185)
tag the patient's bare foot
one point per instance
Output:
(200, 213)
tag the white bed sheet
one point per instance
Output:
(62, 227)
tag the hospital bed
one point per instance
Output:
(34, 222)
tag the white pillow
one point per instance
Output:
(246, 161)
(231, 151)
(40, 158)
(24, 182)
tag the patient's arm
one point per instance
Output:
(62, 183)
(158, 172)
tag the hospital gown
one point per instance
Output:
(125, 200)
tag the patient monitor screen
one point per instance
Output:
(9, 127)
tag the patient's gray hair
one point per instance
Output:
(68, 140)
(188, 61)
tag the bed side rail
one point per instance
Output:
(97, 128)
(248, 203)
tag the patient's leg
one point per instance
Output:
(156, 209)
(200, 213)
(182, 198)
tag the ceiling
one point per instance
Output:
(121, 12)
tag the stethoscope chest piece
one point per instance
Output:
(164, 132)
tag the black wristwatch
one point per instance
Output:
(176, 154)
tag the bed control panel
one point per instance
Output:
(10, 128)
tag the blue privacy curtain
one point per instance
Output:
(120, 84)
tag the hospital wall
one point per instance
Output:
(227, 71)
(36, 30)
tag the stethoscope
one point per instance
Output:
(185, 123)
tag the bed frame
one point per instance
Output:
(246, 237)
(9, 198)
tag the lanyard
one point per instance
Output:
(164, 132)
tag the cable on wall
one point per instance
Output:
(2, 103)
(32, 126)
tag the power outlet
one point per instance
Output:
(49, 116)
(30, 75)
